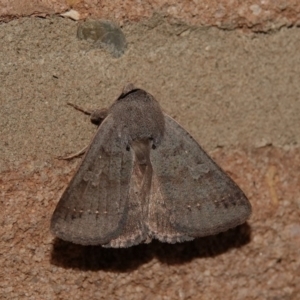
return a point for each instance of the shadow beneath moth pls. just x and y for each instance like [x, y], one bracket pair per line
[144, 177]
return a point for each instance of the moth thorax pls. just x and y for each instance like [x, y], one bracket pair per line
[139, 117]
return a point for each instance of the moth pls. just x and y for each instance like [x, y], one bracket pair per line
[144, 177]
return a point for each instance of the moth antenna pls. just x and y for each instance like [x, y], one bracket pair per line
[86, 112]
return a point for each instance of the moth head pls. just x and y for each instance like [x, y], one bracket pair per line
[98, 115]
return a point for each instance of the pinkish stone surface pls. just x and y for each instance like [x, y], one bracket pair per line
[256, 15]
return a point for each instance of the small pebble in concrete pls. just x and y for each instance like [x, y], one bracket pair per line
[104, 34]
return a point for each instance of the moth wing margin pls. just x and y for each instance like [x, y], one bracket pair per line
[200, 198]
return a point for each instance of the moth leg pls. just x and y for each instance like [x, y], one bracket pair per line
[79, 153]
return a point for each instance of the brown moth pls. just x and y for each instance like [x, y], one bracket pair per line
[143, 177]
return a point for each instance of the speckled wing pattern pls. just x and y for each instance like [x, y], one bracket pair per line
[190, 195]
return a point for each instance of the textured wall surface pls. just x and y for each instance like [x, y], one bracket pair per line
[236, 92]
[256, 15]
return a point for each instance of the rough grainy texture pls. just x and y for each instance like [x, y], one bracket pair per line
[256, 15]
[229, 89]
[226, 88]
